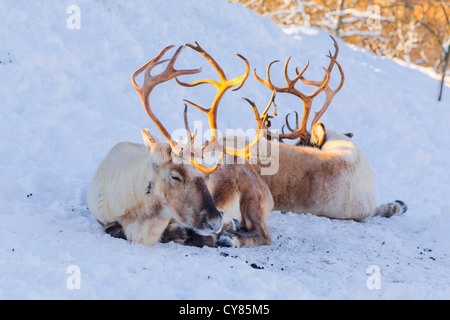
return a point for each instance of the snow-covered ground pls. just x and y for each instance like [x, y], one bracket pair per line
[66, 99]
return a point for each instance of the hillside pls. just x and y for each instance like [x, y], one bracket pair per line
[66, 99]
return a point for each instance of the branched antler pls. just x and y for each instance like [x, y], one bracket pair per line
[322, 86]
[221, 86]
[150, 82]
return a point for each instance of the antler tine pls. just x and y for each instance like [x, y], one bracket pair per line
[296, 122]
[197, 106]
[260, 119]
[264, 116]
[208, 57]
[263, 120]
[223, 79]
[287, 124]
[268, 83]
[151, 63]
[150, 82]
[239, 81]
[336, 52]
[329, 69]
[328, 92]
[289, 82]
[329, 95]
[186, 125]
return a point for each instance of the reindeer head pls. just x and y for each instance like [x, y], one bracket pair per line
[180, 189]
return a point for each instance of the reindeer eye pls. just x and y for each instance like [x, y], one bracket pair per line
[177, 175]
[176, 178]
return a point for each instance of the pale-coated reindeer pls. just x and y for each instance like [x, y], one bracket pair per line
[325, 173]
[160, 191]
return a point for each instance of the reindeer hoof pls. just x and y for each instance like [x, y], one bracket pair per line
[237, 225]
[390, 209]
[224, 242]
[227, 240]
[115, 230]
[232, 225]
[403, 207]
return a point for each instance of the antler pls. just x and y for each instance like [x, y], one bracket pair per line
[301, 132]
[328, 92]
[221, 86]
[150, 82]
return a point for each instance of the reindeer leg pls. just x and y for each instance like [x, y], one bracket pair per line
[196, 240]
[257, 236]
[114, 229]
[182, 235]
[390, 209]
[174, 232]
[254, 228]
[146, 230]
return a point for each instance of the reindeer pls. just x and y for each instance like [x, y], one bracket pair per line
[325, 173]
[160, 191]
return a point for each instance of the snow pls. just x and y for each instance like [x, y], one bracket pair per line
[66, 99]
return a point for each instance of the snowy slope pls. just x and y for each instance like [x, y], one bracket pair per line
[66, 99]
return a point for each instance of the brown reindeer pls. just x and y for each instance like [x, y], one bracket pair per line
[325, 173]
[163, 192]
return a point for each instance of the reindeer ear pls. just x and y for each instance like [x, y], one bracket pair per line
[318, 135]
[150, 141]
[161, 150]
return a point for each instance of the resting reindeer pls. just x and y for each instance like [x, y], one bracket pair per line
[325, 173]
[147, 193]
